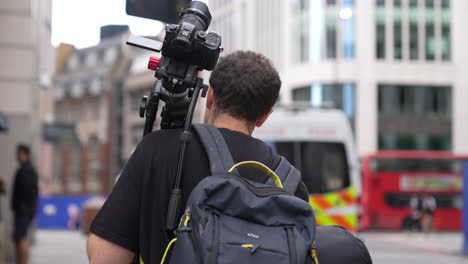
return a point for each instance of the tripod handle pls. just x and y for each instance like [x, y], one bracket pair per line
[151, 109]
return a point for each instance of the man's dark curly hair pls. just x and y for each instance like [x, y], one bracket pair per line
[245, 85]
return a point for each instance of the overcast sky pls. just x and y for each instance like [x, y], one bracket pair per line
[77, 22]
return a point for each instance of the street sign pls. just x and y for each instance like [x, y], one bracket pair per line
[55, 132]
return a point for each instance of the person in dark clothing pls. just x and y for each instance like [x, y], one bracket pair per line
[23, 202]
[132, 223]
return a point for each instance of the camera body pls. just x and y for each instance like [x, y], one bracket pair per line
[186, 50]
[188, 40]
[184, 42]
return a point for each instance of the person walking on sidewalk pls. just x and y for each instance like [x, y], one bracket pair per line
[23, 202]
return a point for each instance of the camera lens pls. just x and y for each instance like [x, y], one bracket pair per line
[198, 14]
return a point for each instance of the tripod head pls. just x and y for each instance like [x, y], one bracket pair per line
[187, 49]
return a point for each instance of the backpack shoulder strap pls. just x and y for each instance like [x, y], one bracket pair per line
[215, 146]
[289, 175]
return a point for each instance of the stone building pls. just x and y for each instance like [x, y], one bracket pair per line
[87, 111]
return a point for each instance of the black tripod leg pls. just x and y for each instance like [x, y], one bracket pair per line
[152, 108]
[175, 203]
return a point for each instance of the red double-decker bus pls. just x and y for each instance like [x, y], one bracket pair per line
[392, 178]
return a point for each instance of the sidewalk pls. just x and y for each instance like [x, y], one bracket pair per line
[59, 247]
[439, 243]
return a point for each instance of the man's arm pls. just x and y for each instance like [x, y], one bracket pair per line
[115, 229]
[103, 251]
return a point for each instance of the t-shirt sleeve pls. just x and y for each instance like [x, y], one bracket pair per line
[118, 220]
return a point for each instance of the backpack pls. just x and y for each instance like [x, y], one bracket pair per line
[230, 219]
[337, 245]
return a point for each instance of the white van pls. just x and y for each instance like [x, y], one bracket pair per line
[320, 143]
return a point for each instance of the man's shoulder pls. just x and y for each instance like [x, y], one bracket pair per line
[174, 134]
[27, 168]
[160, 138]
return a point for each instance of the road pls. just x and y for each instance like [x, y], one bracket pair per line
[385, 248]
[393, 248]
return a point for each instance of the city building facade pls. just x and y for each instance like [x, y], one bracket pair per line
[25, 69]
[397, 68]
[88, 117]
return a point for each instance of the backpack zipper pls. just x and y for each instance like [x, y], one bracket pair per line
[215, 245]
[313, 253]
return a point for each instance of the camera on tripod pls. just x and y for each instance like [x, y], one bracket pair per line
[187, 49]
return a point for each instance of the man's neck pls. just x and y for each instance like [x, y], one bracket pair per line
[231, 123]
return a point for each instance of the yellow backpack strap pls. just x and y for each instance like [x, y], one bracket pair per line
[262, 167]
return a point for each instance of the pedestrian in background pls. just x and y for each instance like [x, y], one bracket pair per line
[429, 206]
[416, 213]
[23, 202]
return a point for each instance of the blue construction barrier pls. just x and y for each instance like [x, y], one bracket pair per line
[60, 211]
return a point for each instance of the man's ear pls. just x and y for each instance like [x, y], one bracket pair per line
[209, 98]
[262, 120]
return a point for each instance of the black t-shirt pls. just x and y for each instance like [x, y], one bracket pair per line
[134, 215]
[25, 190]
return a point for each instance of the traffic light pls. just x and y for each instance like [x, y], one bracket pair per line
[162, 10]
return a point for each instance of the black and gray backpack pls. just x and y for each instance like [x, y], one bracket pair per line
[230, 219]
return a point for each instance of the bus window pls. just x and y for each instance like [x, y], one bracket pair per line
[409, 165]
[402, 200]
[323, 165]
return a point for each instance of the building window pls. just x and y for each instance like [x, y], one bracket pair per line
[446, 31]
[425, 101]
[331, 41]
[91, 59]
[301, 95]
[421, 17]
[397, 40]
[77, 90]
[322, 30]
[415, 141]
[346, 16]
[414, 117]
[110, 55]
[380, 29]
[73, 62]
[446, 4]
[430, 4]
[397, 31]
[339, 96]
[413, 34]
[380, 49]
[430, 30]
[430, 41]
